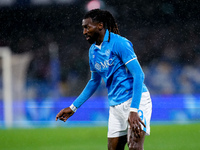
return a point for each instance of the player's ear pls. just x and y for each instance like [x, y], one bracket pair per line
[100, 25]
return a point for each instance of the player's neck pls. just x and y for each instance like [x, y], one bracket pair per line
[101, 37]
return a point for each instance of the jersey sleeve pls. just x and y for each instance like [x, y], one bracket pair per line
[89, 89]
[136, 70]
[124, 49]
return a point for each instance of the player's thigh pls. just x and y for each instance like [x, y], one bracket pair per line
[117, 143]
[135, 143]
[118, 120]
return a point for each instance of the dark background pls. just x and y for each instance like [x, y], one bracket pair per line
[164, 33]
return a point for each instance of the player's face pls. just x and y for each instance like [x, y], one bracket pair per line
[90, 30]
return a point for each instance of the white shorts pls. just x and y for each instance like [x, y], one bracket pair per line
[118, 116]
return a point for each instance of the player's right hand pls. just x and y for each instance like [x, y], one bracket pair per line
[64, 114]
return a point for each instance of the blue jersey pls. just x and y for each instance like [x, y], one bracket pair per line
[109, 61]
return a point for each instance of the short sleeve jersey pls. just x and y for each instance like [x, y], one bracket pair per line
[110, 61]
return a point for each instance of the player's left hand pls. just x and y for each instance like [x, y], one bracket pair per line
[135, 124]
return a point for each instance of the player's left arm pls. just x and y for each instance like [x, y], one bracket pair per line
[124, 49]
[138, 75]
[134, 119]
[126, 52]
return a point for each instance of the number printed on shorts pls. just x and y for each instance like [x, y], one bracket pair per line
[140, 113]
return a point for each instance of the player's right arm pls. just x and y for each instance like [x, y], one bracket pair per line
[88, 91]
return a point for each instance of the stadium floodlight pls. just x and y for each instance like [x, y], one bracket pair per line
[5, 54]
[93, 4]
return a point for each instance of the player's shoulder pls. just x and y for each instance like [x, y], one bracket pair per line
[91, 49]
[118, 38]
[121, 41]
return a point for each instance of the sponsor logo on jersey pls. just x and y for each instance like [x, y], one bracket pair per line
[104, 65]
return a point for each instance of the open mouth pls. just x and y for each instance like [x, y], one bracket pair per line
[87, 37]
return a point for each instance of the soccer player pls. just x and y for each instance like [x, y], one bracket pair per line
[112, 58]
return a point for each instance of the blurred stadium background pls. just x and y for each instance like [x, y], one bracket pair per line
[49, 59]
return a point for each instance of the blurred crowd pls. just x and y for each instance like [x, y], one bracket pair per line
[170, 57]
[168, 50]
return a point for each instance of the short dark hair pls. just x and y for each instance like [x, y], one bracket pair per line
[105, 17]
